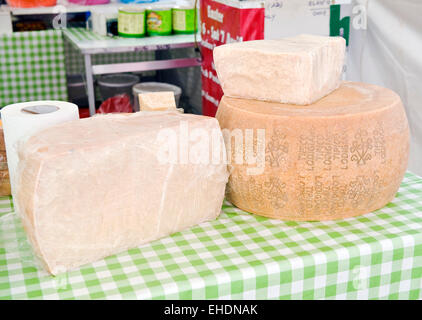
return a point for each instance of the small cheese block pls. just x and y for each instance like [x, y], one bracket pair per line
[5, 183]
[340, 157]
[4, 171]
[298, 70]
[3, 158]
[2, 144]
[94, 187]
[157, 101]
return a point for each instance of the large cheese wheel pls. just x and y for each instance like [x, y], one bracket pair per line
[342, 156]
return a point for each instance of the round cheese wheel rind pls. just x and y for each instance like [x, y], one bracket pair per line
[342, 156]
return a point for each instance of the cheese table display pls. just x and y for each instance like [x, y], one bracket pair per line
[297, 70]
[342, 156]
[84, 196]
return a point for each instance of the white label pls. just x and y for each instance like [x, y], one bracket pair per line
[179, 20]
[131, 23]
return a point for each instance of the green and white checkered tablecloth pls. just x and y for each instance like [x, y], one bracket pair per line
[239, 256]
[32, 67]
[75, 61]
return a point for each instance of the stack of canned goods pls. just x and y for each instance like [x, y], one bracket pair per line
[138, 21]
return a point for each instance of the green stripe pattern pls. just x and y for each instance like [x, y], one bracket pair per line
[32, 67]
[242, 256]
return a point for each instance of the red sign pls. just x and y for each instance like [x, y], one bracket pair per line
[223, 24]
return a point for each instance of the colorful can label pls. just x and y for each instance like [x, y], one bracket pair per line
[184, 20]
[159, 22]
[131, 23]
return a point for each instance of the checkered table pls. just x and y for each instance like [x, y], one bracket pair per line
[75, 60]
[241, 256]
[32, 67]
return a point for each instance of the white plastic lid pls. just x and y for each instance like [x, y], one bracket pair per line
[144, 87]
[132, 9]
[118, 80]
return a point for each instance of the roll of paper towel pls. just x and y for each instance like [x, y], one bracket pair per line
[21, 120]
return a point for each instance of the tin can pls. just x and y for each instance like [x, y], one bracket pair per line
[184, 19]
[131, 22]
[159, 21]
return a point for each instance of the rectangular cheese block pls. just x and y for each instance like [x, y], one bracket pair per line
[298, 70]
[4, 171]
[5, 183]
[343, 156]
[157, 101]
[94, 187]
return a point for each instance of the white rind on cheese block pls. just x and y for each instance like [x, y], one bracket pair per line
[340, 157]
[94, 187]
[157, 101]
[298, 70]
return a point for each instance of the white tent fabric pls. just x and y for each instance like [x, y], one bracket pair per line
[388, 53]
[385, 47]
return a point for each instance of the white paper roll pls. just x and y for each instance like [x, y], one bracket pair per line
[18, 125]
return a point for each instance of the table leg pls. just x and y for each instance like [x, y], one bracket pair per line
[90, 84]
